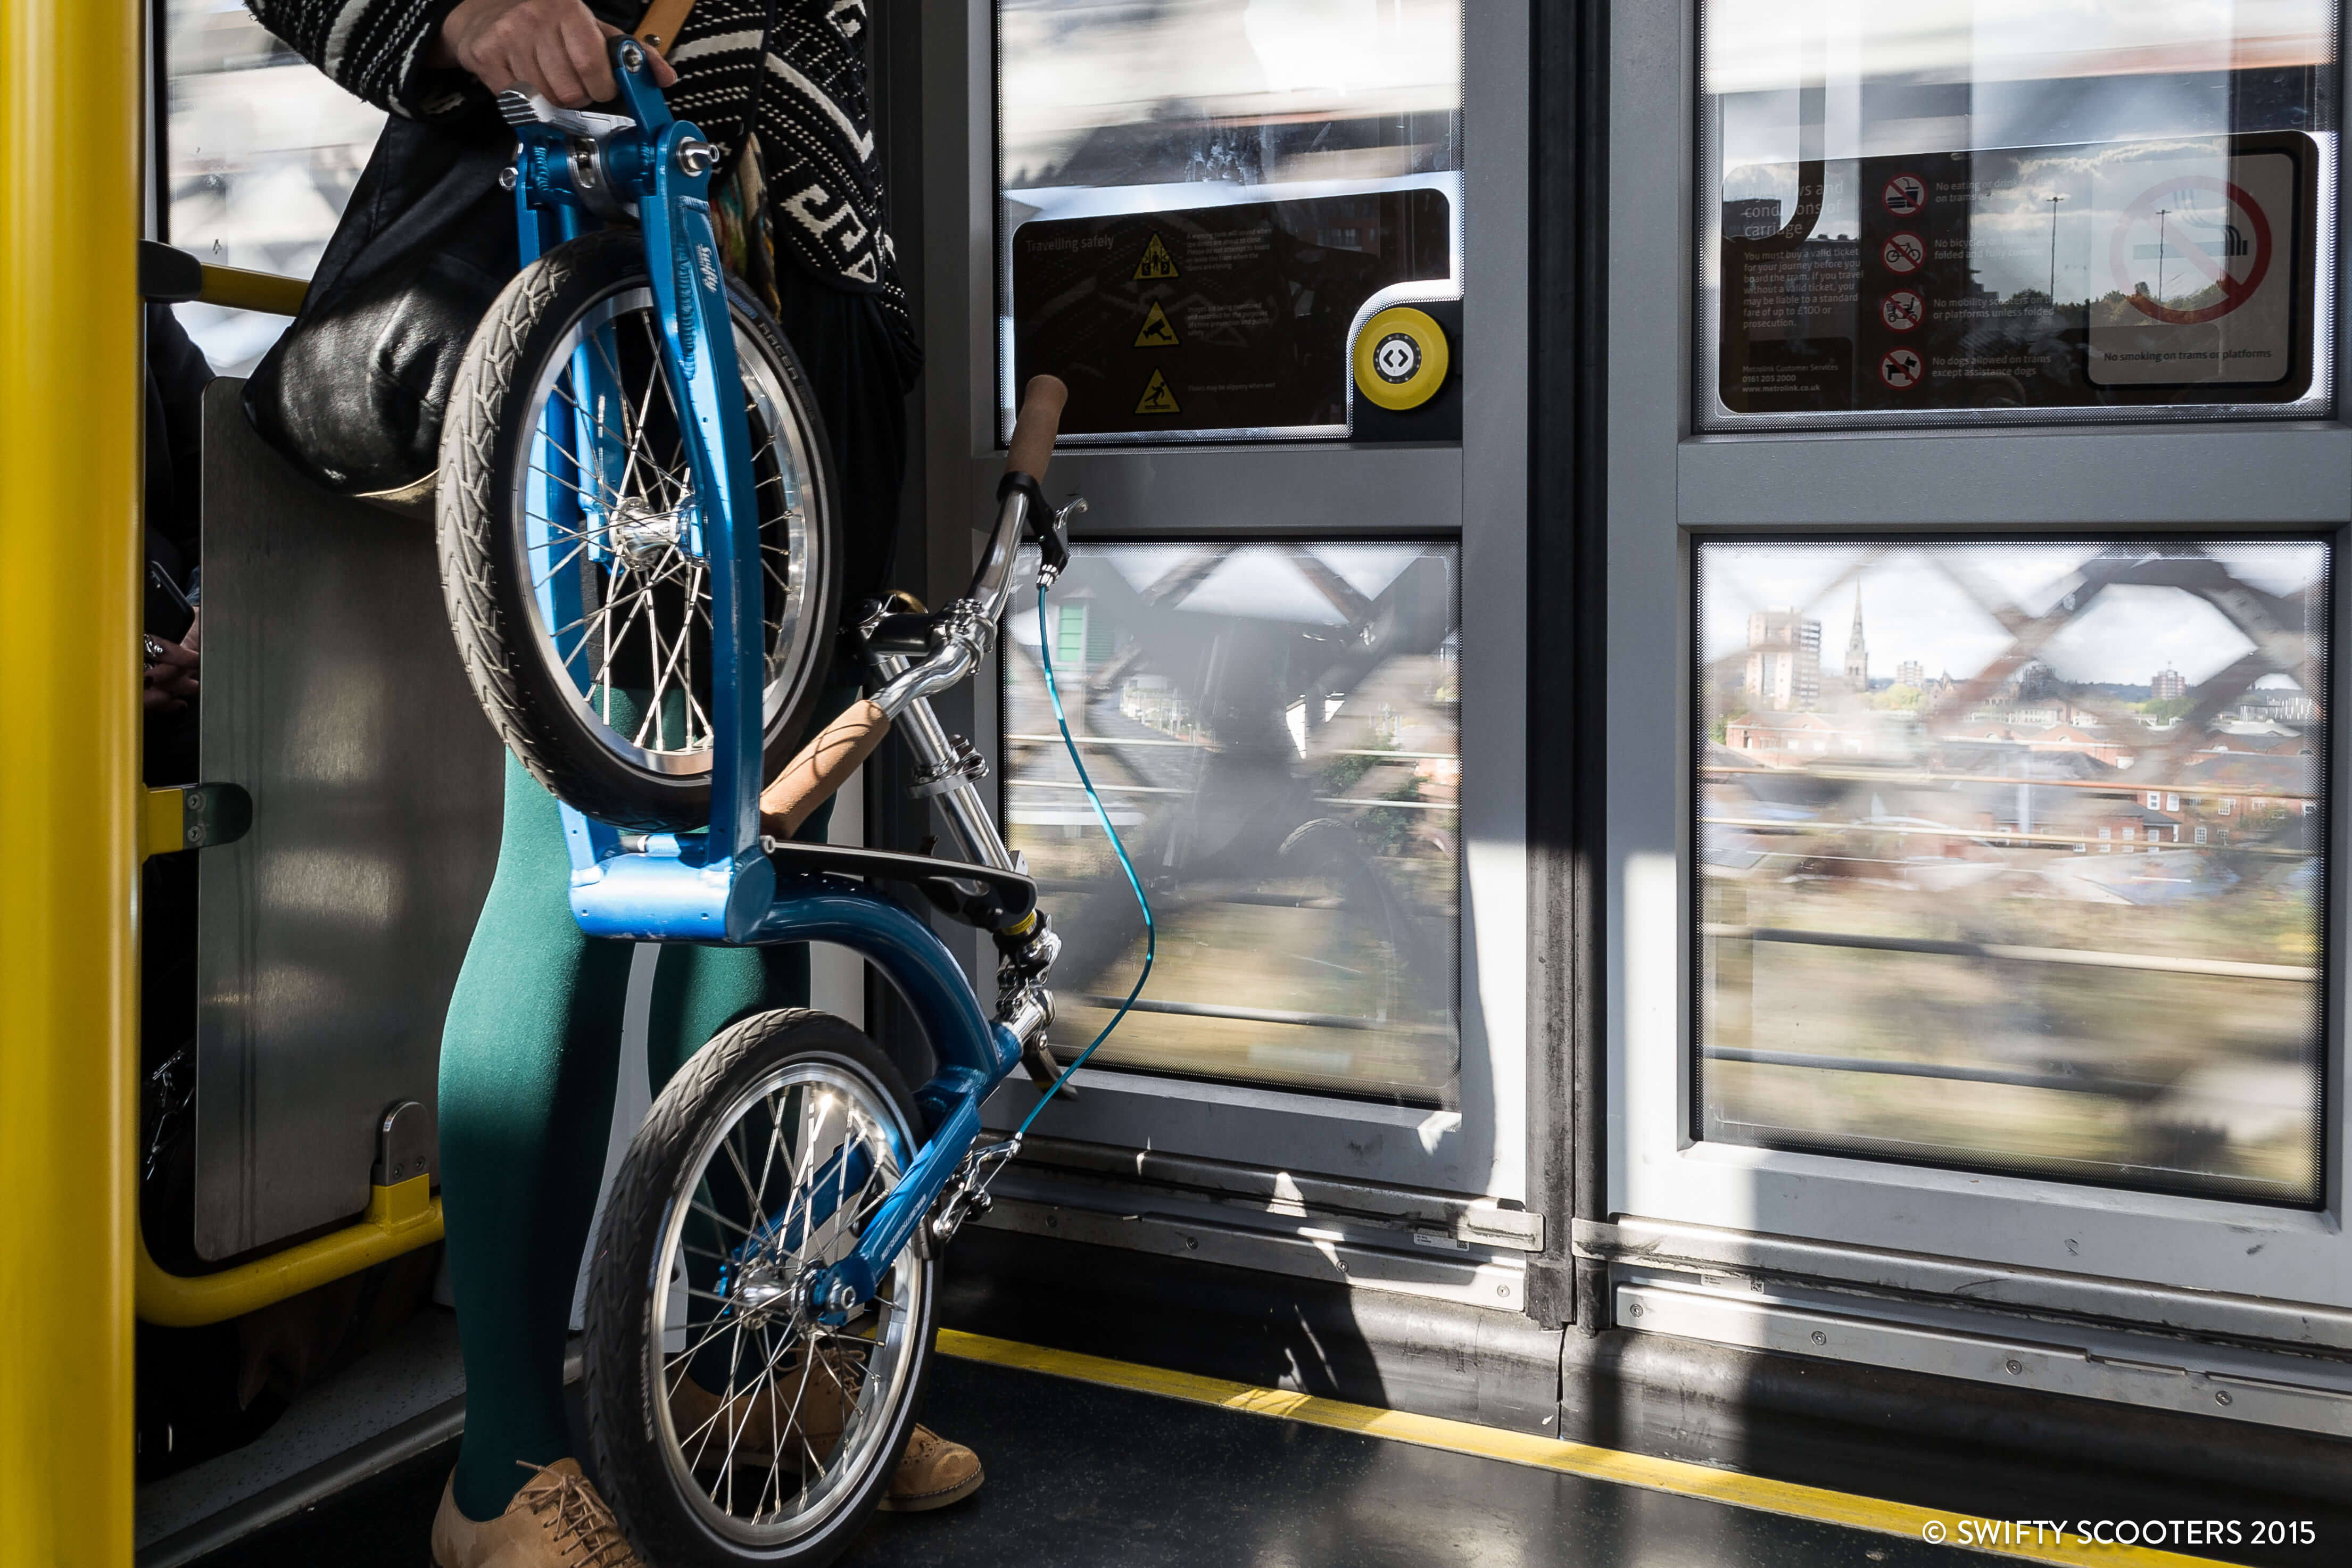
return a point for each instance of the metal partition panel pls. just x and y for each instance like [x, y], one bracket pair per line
[328, 938]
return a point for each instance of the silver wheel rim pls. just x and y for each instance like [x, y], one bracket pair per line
[648, 596]
[811, 1109]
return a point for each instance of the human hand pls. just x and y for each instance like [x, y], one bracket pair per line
[172, 675]
[552, 48]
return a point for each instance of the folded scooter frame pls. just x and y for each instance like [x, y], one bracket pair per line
[575, 171]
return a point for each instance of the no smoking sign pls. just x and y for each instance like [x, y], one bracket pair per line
[2200, 280]
[2205, 242]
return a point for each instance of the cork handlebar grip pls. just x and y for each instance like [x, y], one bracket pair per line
[1034, 427]
[822, 766]
[663, 19]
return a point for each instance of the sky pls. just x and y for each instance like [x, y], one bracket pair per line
[1914, 605]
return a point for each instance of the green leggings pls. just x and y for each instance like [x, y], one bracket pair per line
[530, 1059]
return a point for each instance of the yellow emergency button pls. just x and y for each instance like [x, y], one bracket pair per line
[1401, 357]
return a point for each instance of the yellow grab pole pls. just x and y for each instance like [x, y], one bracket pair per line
[69, 559]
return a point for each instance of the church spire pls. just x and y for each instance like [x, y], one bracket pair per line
[1857, 654]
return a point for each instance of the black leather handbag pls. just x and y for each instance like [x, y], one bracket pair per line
[353, 393]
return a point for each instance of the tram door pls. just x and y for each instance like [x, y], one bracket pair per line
[1266, 244]
[1973, 571]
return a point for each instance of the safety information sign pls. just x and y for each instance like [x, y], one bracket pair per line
[2174, 271]
[1214, 319]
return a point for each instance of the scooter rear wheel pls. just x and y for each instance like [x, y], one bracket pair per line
[730, 1422]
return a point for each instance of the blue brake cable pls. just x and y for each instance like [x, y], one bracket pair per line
[1150, 933]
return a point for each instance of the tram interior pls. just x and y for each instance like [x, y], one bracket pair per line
[1946, 1143]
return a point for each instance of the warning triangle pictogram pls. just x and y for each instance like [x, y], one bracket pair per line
[1158, 333]
[1157, 398]
[1156, 262]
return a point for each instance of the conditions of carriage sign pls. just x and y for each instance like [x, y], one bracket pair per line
[2175, 271]
[1214, 318]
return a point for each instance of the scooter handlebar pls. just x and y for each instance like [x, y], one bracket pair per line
[1036, 426]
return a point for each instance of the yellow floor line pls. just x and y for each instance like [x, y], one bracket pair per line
[1673, 1476]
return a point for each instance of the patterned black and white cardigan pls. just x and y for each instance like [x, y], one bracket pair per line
[793, 69]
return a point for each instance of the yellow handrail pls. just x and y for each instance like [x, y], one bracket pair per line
[69, 409]
[241, 290]
[400, 1219]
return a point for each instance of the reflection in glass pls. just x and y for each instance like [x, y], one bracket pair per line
[2012, 856]
[2013, 207]
[264, 152]
[1274, 728]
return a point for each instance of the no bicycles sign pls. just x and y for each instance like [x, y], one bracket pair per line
[2199, 279]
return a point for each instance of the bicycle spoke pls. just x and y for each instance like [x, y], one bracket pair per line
[711, 1331]
[759, 1217]
[630, 431]
[648, 610]
[710, 1213]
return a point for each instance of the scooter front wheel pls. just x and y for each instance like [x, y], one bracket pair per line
[573, 552]
[730, 1422]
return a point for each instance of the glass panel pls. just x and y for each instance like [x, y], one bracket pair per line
[1274, 728]
[2031, 878]
[1970, 210]
[1198, 199]
[263, 153]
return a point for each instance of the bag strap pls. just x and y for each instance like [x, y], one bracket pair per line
[662, 20]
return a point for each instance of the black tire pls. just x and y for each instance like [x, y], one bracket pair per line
[487, 444]
[636, 1453]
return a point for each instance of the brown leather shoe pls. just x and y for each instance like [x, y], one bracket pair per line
[932, 1473]
[557, 1521]
[814, 1400]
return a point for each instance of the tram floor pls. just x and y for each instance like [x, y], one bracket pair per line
[1090, 1475]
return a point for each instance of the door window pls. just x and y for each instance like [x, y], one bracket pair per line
[261, 152]
[1199, 202]
[1273, 730]
[2014, 210]
[2009, 856]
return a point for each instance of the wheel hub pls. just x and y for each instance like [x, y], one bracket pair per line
[642, 538]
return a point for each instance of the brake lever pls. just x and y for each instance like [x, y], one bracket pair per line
[1047, 525]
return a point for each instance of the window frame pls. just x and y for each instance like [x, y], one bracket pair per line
[1474, 493]
[1669, 485]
